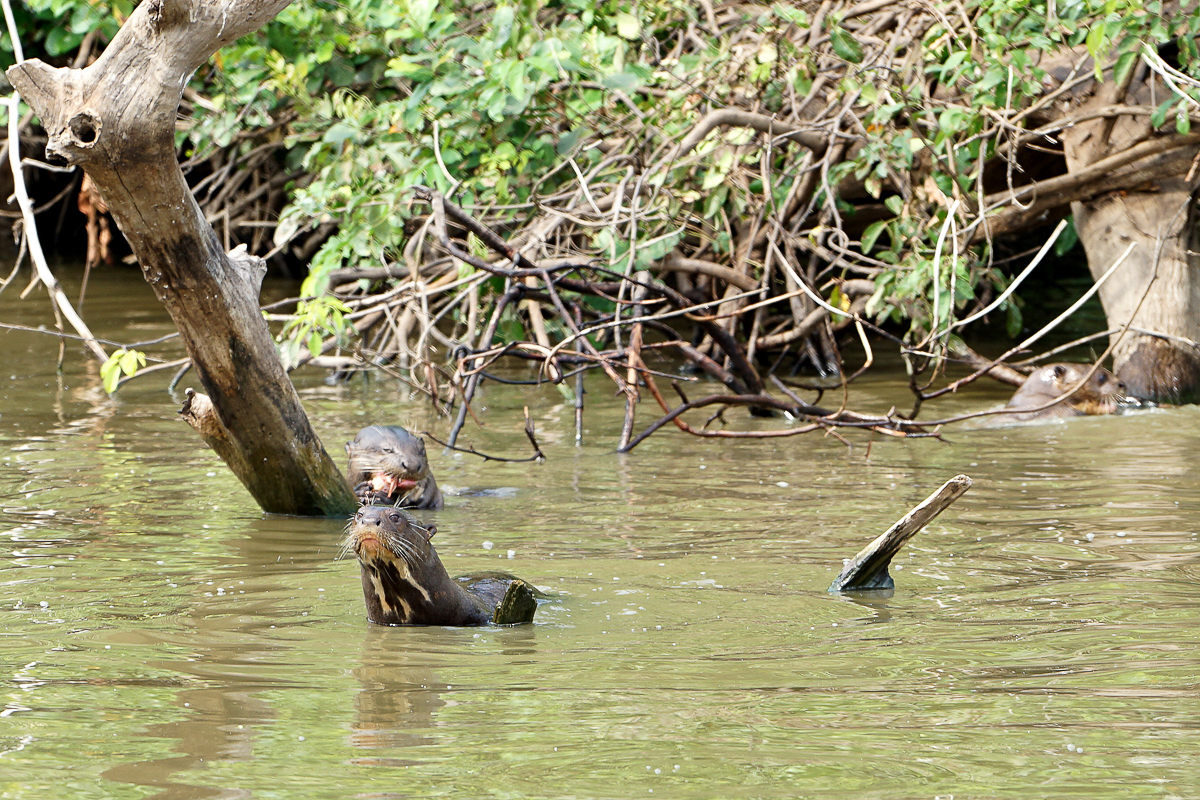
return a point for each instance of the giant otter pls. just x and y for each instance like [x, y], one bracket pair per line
[388, 466]
[404, 582]
[1101, 394]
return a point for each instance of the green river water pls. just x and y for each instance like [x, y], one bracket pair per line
[161, 637]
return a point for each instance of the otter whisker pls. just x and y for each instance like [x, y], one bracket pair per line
[348, 540]
[406, 550]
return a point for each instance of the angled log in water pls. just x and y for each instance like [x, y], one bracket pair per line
[116, 119]
[869, 569]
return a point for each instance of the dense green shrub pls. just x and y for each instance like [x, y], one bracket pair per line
[504, 107]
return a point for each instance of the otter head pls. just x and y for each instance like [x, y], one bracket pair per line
[387, 534]
[389, 459]
[1101, 394]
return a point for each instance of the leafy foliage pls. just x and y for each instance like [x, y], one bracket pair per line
[121, 362]
[521, 107]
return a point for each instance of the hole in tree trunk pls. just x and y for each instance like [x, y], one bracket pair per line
[86, 128]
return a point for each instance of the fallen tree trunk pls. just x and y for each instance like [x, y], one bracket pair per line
[116, 119]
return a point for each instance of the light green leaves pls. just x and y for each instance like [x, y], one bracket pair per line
[628, 26]
[314, 319]
[122, 362]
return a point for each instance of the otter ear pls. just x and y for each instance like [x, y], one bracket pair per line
[1059, 371]
[349, 448]
[430, 531]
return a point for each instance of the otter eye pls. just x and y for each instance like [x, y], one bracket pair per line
[395, 517]
[388, 449]
[1101, 378]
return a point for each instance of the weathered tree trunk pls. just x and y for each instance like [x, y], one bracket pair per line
[116, 118]
[1158, 216]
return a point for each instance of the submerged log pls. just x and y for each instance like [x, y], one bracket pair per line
[116, 119]
[869, 569]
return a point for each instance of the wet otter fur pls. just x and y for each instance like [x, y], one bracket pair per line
[405, 583]
[388, 466]
[1101, 394]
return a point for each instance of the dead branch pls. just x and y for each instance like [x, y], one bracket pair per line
[869, 568]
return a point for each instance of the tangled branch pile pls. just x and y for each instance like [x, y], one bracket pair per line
[741, 184]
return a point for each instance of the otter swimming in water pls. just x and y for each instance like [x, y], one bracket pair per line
[388, 466]
[405, 583]
[1101, 394]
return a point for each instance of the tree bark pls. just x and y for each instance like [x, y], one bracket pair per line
[1157, 214]
[116, 119]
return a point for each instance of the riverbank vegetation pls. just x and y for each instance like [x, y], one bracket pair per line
[742, 186]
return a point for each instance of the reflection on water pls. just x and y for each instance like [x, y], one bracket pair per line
[164, 639]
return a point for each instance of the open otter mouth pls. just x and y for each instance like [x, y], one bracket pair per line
[390, 484]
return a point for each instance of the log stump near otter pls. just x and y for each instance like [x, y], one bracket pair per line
[405, 583]
[388, 466]
[1101, 393]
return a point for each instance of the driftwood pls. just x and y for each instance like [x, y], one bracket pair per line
[116, 119]
[869, 569]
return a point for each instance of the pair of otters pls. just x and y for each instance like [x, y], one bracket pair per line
[404, 581]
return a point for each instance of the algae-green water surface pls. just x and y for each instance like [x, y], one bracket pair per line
[161, 637]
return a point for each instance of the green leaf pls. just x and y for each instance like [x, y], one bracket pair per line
[1183, 123]
[839, 300]
[110, 372]
[625, 81]
[873, 184]
[1014, 323]
[712, 179]
[502, 24]
[867, 243]
[944, 182]
[628, 26]
[953, 62]
[845, 45]
[421, 13]
[657, 248]
[1160, 114]
[61, 40]
[314, 344]
[131, 360]
[1124, 64]
[1067, 239]
[1097, 41]
[339, 133]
